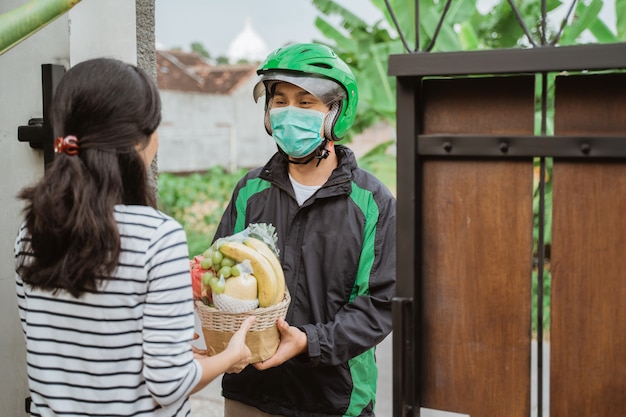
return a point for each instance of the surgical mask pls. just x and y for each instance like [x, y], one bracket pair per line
[297, 131]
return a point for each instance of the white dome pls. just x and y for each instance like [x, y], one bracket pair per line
[247, 45]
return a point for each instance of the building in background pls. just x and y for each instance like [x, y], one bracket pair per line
[248, 45]
[209, 115]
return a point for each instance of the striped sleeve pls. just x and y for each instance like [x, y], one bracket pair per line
[170, 369]
[21, 246]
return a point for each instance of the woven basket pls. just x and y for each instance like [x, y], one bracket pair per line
[263, 339]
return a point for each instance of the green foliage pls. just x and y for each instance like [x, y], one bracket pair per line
[197, 201]
[547, 287]
[222, 60]
[499, 28]
[547, 237]
[199, 48]
[587, 19]
[366, 49]
[381, 163]
[620, 19]
[430, 15]
[23, 21]
[199, 241]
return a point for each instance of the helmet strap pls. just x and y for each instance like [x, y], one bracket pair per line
[331, 119]
[320, 153]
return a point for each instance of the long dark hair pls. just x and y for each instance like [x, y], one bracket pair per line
[112, 108]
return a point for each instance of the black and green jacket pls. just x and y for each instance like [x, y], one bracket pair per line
[338, 253]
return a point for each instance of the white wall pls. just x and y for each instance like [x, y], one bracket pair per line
[92, 28]
[103, 28]
[255, 145]
[199, 131]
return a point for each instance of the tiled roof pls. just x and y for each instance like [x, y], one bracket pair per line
[188, 59]
[188, 71]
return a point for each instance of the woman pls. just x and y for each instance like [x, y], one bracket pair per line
[103, 280]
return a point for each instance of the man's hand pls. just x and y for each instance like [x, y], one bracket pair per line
[293, 342]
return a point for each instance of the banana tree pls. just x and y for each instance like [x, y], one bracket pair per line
[463, 27]
[21, 22]
[587, 18]
[367, 47]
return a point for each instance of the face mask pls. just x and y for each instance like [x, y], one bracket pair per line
[297, 131]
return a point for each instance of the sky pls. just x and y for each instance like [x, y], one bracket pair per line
[215, 23]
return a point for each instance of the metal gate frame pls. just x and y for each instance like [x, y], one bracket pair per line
[413, 147]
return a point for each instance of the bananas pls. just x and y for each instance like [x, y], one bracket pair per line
[265, 250]
[262, 269]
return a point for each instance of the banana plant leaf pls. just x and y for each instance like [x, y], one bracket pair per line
[404, 11]
[21, 22]
[586, 16]
[620, 19]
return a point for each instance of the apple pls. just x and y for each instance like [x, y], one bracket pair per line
[242, 287]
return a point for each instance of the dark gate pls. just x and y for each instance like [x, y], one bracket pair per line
[467, 150]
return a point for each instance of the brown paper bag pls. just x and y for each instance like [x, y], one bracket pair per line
[262, 343]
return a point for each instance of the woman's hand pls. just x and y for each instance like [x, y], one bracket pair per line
[197, 352]
[233, 359]
[237, 345]
[293, 342]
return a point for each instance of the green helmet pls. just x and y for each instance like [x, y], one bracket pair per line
[317, 69]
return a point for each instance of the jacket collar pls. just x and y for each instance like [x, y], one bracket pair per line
[276, 170]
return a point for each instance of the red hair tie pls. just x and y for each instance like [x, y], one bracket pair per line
[67, 145]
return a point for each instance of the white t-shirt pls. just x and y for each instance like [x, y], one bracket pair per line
[303, 192]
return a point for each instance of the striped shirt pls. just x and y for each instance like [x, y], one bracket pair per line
[125, 350]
